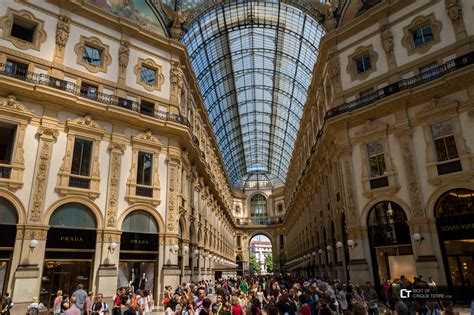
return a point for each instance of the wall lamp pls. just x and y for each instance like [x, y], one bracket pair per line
[320, 251]
[174, 249]
[352, 244]
[329, 248]
[196, 252]
[186, 249]
[313, 253]
[339, 245]
[112, 247]
[33, 245]
[418, 237]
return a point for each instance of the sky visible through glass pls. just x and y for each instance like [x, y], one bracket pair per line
[253, 61]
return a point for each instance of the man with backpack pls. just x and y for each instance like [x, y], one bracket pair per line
[7, 304]
[99, 307]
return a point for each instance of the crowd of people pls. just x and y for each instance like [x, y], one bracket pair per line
[287, 296]
[270, 295]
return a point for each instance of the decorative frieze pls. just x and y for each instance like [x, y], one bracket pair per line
[47, 136]
[116, 151]
[411, 175]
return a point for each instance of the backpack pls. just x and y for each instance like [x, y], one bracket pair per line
[133, 302]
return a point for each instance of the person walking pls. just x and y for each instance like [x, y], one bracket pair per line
[57, 302]
[80, 296]
[73, 309]
[99, 307]
[7, 304]
[372, 300]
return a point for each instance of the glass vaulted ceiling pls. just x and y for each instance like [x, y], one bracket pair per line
[253, 61]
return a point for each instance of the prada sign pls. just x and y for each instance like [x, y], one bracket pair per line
[71, 238]
[139, 242]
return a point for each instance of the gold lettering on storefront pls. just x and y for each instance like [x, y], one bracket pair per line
[71, 238]
[139, 242]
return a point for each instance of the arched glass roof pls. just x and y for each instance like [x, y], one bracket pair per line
[253, 61]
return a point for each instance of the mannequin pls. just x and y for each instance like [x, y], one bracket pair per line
[143, 281]
[132, 280]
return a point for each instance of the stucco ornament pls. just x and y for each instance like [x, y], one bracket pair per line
[124, 55]
[387, 38]
[62, 31]
[327, 9]
[10, 102]
[177, 76]
[177, 18]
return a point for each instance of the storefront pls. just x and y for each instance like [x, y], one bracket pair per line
[139, 246]
[8, 221]
[390, 243]
[454, 213]
[70, 251]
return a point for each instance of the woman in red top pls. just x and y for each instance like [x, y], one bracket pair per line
[236, 309]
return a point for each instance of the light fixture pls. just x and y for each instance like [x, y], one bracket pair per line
[314, 253]
[174, 249]
[320, 251]
[112, 247]
[196, 252]
[186, 249]
[329, 248]
[351, 244]
[418, 237]
[339, 244]
[33, 244]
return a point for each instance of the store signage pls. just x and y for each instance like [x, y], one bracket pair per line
[8, 235]
[456, 227]
[71, 238]
[139, 242]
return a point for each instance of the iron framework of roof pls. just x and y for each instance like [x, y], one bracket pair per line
[253, 61]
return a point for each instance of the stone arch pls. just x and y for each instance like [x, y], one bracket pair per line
[144, 207]
[192, 234]
[200, 241]
[17, 204]
[255, 233]
[184, 231]
[75, 199]
[366, 210]
[434, 197]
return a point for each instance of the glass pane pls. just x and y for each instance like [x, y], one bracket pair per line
[455, 202]
[148, 75]
[360, 65]
[417, 38]
[8, 214]
[73, 215]
[92, 55]
[367, 62]
[141, 275]
[7, 141]
[144, 168]
[427, 33]
[139, 222]
[81, 158]
[452, 151]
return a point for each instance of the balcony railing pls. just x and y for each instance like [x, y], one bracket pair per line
[405, 84]
[260, 221]
[70, 87]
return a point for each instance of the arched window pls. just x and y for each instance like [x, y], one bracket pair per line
[387, 225]
[258, 206]
[455, 202]
[73, 215]
[8, 214]
[139, 221]
[386, 212]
